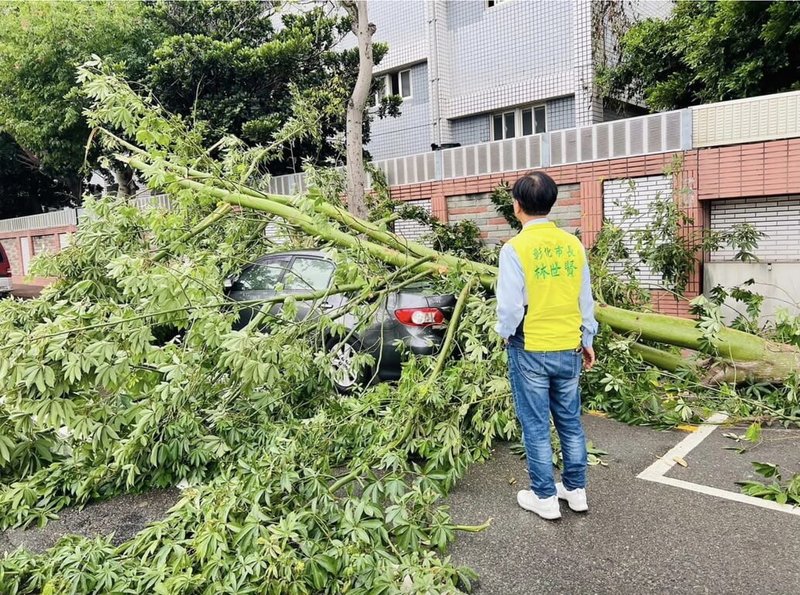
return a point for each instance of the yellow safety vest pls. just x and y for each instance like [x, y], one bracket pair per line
[552, 261]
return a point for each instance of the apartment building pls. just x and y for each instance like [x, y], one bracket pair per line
[474, 71]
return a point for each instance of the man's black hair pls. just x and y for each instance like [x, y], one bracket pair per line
[536, 193]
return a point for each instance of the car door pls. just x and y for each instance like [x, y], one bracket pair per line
[309, 274]
[258, 281]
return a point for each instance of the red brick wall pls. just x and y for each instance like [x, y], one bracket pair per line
[39, 241]
[585, 188]
[769, 168]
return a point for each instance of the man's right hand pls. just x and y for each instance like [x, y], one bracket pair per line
[588, 358]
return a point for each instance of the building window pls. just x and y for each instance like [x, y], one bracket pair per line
[394, 83]
[492, 3]
[522, 121]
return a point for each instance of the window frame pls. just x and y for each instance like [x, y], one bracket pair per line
[388, 90]
[272, 261]
[518, 126]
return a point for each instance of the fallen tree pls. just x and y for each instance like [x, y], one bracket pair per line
[728, 355]
[743, 356]
[127, 375]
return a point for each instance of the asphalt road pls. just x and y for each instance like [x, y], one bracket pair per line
[25, 292]
[638, 536]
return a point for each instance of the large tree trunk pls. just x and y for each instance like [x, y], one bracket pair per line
[356, 174]
[742, 356]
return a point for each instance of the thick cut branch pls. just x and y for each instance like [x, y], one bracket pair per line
[752, 357]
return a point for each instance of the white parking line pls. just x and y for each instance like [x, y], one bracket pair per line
[658, 470]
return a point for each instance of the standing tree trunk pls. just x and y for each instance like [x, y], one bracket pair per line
[123, 177]
[356, 174]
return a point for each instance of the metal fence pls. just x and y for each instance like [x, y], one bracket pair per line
[62, 218]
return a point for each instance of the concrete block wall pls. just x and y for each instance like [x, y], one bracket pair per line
[411, 229]
[639, 194]
[45, 243]
[11, 248]
[479, 209]
[777, 217]
[33, 242]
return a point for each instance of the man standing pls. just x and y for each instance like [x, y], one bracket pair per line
[545, 314]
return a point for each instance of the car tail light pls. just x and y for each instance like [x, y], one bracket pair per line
[419, 316]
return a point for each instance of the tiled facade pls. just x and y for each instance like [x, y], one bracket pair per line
[561, 113]
[477, 60]
[471, 130]
[409, 133]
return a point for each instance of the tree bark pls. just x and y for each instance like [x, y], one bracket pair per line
[123, 177]
[356, 174]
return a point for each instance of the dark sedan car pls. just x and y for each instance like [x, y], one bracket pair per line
[414, 316]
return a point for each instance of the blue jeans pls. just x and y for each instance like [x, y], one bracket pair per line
[545, 382]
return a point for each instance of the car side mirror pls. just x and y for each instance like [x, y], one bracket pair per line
[228, 283]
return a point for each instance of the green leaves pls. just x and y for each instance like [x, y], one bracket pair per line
[782, 492]
[707, 52]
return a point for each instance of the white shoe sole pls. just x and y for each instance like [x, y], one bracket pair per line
[548, 516]
[579, 509]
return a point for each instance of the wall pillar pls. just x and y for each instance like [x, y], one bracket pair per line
[591, 210]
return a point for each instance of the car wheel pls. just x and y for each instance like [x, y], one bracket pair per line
[345, 375]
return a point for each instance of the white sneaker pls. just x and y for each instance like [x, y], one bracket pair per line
[575, 498]
[547, 508]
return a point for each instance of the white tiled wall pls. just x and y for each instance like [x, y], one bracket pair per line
[471, 130]
[402, 24]
[513, 53]
[777, 217]
[409, 133]
[482, 59]
[561, 113]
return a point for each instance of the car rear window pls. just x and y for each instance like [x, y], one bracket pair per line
[309, 274]
[262, 276]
